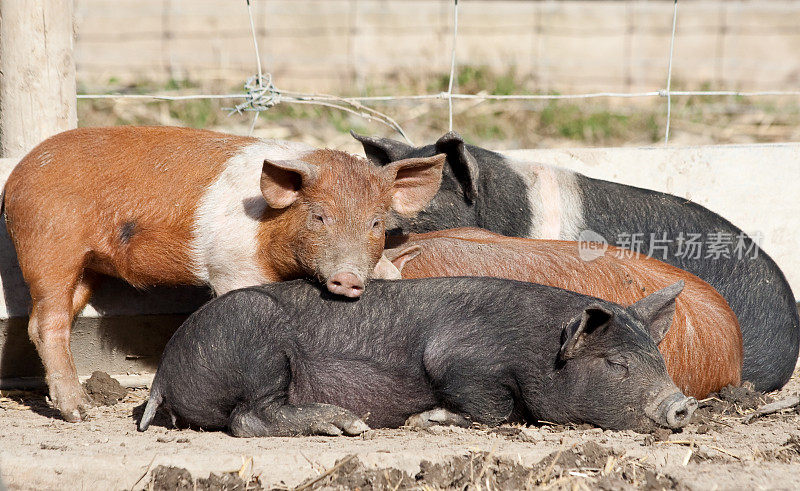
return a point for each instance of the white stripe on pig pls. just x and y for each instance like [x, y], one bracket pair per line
[224, 246]
[555, 200]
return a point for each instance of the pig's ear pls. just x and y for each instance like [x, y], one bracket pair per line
[416, 182]
[657, 310]
[399, 257]
[464, 165]
[281, 180]
[573, 337]
[385, 270]
[382, 150]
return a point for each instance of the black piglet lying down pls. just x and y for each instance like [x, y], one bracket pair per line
[290, 359]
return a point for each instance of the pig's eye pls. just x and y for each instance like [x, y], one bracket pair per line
[319, 218]
[376, 223]
[618, 366]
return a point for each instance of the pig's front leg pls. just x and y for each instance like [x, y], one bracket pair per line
[437, 417]
[473, 388]
[288, 420]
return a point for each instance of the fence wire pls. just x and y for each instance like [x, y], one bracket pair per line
[669, 68]
[261, 94]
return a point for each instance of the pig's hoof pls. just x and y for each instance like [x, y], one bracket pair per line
[336, 421]
[356, 427]
[75, 413]
[73, 407]
[437, 417]
[310, 419]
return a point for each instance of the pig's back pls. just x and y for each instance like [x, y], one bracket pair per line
[124, 164]
[138, 199]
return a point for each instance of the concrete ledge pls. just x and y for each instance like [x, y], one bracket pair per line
[126, 345]
[143, 380]
[124, 330]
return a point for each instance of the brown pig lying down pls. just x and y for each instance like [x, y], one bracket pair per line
[702, 349]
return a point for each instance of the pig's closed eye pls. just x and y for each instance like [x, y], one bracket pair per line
[376, 223]
[318, 217]
[618, 366]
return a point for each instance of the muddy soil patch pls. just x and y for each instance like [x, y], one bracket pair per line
[169, 478]
[787, 453]
[589, 464]
[719, 409]
[104, 389]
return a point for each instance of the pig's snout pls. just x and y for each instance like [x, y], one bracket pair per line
[346, 283]
[680, 411]
[676, 410]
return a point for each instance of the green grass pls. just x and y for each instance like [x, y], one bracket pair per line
[473, 79]
[500, 124]
[199, 113]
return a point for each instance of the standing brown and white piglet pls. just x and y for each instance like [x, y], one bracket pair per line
[162, 205]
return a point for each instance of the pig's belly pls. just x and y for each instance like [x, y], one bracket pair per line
[386, 395]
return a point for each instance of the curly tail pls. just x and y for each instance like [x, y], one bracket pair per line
[155, 400]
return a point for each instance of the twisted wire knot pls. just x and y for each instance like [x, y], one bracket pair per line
[260, 94]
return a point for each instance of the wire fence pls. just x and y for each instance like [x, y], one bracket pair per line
[261, 93]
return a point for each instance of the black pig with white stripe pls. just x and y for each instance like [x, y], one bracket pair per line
[481, 188]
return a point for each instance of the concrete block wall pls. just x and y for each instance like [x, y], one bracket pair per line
[327, 45]
[123, 330]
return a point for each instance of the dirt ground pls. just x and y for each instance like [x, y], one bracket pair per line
[717, 450]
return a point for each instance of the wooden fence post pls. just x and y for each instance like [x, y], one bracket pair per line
[37, 73]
